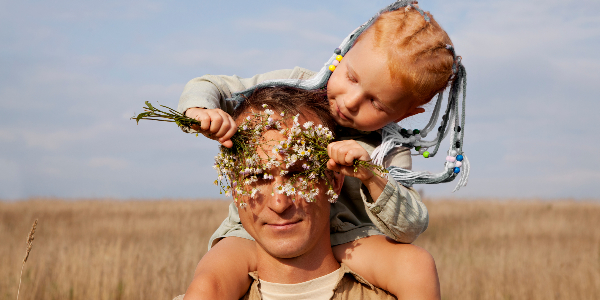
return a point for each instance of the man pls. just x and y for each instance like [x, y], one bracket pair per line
[294, 258]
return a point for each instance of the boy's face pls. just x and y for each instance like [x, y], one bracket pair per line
[362, 93]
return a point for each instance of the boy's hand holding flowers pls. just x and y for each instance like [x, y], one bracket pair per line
[215, 124]
[350, 159]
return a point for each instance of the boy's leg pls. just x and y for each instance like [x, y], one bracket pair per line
[405, 270]
[223, 271]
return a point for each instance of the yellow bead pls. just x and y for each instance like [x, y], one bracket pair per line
[339, 58]
[331, 68]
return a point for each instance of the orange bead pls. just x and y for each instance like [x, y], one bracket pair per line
[339, 58]
[331, 68]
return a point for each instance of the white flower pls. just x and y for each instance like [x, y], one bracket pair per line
[264, 106]
[308, 124]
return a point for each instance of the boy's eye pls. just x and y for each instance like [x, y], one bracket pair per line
[350, 77]
[376, 105]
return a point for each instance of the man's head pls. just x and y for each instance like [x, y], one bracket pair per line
[283, 224]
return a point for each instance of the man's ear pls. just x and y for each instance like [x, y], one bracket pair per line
[337, 180]
[413, 111]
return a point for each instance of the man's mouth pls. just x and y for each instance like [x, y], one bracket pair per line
[283, 225]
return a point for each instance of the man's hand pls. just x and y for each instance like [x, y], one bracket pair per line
[341, 159]
[215, 124]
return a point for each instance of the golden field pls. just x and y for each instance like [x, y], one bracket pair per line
[105, 249]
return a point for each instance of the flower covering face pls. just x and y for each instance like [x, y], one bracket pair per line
[299, 158]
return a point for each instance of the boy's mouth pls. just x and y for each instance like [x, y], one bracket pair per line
[340, 114]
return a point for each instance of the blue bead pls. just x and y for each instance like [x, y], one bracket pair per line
[459, 158]
[456, 169]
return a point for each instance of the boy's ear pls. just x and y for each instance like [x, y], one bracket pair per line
[413, 111]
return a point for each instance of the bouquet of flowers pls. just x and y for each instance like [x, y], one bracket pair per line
[301, 157]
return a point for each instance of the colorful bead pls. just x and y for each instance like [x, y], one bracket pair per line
[331, 68]
[337, 51]
[450, 158]
[339, 58]
[458, 164]
[418, 148]
[403, 131]
[336, 63]
[456, 170]
[426, 154]
[416, 131]
[459, 157]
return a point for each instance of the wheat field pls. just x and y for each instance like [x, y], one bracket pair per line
[104, 249]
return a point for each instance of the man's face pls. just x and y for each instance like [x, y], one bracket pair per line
[286, 226]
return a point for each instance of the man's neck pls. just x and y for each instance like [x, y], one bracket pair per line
[303, 268]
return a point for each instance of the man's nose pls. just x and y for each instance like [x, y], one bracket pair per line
[279, 203]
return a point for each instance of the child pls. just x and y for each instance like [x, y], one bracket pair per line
[391, 66]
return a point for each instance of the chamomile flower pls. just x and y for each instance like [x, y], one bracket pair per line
[242, 165]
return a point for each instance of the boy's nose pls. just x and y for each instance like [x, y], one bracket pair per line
[353, 100]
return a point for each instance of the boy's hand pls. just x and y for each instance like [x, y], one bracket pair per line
[341, 159]
[214, 124]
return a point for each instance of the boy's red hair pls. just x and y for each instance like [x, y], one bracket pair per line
[416, 50]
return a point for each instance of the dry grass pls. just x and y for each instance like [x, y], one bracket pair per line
[149, 250]
[105, 249]
[515, 250]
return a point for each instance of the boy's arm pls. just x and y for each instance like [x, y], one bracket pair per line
[398, 211]
[210, 91]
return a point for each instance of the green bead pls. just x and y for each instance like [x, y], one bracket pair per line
[418, 148]
[416, 131]
[403, 131]
[426, 154]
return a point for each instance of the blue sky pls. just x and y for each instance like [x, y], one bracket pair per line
[74, 72]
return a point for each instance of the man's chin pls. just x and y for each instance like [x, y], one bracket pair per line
[285, 248]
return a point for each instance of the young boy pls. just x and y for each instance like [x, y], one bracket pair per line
[395, 66]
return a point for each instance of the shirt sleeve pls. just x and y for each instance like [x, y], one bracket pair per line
[399, 211]
[211, 91]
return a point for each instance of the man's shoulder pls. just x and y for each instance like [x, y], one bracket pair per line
[353, 286]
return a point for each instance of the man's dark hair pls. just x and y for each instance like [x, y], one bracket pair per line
[291, 100]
